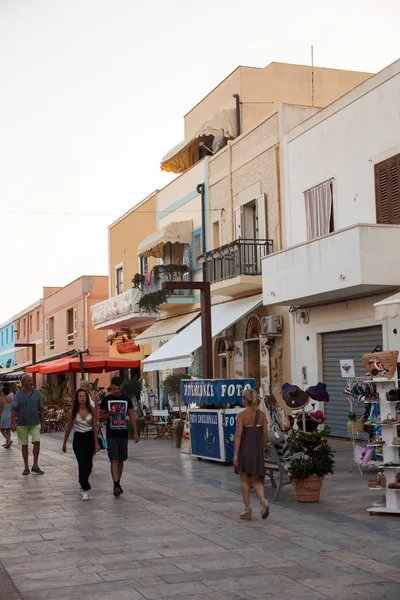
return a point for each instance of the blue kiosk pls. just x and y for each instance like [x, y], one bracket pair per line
[213, 405]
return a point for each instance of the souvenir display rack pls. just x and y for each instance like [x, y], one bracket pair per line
[390, 451]
[355, 436]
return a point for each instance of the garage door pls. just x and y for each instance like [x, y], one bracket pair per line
[353, 344]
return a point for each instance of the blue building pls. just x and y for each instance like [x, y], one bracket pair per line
[7, 350]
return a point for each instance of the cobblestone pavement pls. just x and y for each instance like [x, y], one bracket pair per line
[175, 533]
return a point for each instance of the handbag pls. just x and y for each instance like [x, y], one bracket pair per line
[101, 439]
[381, 364]
[356, 426]
[275, 434]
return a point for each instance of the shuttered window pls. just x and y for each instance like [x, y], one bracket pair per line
[387, 191]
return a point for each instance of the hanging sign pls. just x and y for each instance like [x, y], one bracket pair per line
[127, 347]
[215, 391]
[347, 368]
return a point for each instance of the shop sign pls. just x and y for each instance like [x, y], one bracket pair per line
[214, 391]
[205, 438]
[127, 347]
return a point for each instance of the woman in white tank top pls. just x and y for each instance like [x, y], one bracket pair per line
[83, 418]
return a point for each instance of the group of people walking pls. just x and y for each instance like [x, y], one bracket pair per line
[26, 417]
[25, 414]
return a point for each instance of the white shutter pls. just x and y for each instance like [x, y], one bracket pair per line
[47, 330]
[261, 218]
[75, 320]
[238, 222]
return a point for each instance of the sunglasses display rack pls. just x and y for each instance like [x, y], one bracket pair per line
[355, 436]
[391, 455]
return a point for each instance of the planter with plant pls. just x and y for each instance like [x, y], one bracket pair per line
[138, 281]
[150, 302]
[315, 461]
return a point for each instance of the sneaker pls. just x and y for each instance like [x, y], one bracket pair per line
[37, 470]
[380, 502]
[85, 495]
[117, 491]
[26, 471]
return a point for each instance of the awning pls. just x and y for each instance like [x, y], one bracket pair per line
[390, 307]
[177, 232]
[178, 352]
[91, 364]
[165, 329]
[177, 160]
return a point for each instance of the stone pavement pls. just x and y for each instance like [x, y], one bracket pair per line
[175, 533]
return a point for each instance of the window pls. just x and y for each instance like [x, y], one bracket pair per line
[2, 338]
[251, 220]
[253, 329]
[215, 234]
[119, 279]
[30, 324]
[46, 326]
[37, 321]
[144, 264]
[25, 327]
[7, 335]
[167, 254]
[75, 320]
[387, 191]
[18, 328]
[51, 333]
[319, 210]
[12, 333]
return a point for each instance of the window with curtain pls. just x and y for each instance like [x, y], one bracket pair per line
[319, 210]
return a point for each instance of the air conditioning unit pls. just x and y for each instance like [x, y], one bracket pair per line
[272, 325]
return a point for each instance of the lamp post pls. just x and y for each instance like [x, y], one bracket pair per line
[205, 316]
[33, 346]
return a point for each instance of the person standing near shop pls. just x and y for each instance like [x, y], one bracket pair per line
[28, 408]
[250, 441]
[5, 415]
[115, 409]
[82, 417]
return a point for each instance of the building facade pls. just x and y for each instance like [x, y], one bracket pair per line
[342, 219]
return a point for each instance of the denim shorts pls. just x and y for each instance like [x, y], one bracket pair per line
[117, 448]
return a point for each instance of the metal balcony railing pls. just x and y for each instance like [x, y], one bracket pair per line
[161, 273]
[241, 257]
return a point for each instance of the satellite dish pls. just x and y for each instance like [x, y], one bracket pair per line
[219, 142]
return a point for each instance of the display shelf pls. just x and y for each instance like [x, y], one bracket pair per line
[384, 510]
[376, 445]
[378, 489]
[394, 445]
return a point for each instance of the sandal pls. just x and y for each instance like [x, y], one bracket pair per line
[247, 514]
[378, 482]
[395, 485]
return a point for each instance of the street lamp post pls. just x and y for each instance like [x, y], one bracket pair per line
[205, 316]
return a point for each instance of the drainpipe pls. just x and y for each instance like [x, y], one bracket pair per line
[202, 191]
[86, 331]
[279, 199]
[237, 100]
[230, 190]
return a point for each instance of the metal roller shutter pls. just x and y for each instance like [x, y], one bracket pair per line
[352, 343]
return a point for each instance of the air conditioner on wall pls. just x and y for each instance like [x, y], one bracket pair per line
[272, 325]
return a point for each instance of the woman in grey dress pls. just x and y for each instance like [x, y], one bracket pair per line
[5, 415]
[250, 441]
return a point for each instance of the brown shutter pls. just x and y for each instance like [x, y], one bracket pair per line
[387, 191]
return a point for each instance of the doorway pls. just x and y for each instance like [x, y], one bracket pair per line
[252, 358]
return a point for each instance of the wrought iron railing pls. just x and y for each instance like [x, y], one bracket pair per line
[161, 273]
[241, 257]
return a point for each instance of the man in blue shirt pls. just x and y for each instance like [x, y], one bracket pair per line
[28, 407]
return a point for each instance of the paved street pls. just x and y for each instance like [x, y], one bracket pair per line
[175, 533]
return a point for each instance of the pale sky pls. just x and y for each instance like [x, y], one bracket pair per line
[93, 93]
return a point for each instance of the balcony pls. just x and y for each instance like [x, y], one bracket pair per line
[121, 310]
[153, 296]
[353, 262]
[235, 269]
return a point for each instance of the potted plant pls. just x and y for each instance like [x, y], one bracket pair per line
[315, 461]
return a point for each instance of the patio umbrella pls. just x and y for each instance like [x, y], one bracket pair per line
[90, 364]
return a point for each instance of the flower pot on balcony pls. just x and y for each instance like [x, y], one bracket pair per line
[308, 490]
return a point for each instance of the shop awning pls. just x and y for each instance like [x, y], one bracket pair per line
[177, 232]
[177, 353]
[91, 364]
[390, 307]
[177, 160]
[165, 329]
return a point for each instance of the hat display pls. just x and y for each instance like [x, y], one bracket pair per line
[317, 416]
[294, 397]
[318, 392]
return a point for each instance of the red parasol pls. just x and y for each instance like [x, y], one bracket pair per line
[90, 364]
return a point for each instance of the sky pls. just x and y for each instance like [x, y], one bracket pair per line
[93, 93]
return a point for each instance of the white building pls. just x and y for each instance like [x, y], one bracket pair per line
[341, 202]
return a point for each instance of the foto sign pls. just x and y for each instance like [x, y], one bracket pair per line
[215, 391]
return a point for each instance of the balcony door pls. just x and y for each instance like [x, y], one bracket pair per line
[387, 191]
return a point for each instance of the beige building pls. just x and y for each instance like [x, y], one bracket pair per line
[28, 329]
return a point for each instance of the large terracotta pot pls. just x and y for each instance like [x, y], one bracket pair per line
[308, 490]
[177, 435]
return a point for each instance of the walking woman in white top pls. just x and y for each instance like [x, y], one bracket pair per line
[5, 415]
[83, 418]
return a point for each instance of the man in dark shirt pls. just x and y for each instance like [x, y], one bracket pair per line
[28, 407]
[115, 409]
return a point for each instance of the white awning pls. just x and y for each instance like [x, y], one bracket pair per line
[165, 329]
[178, 352]
[177, 159]
[390, 307]
[177, 232]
